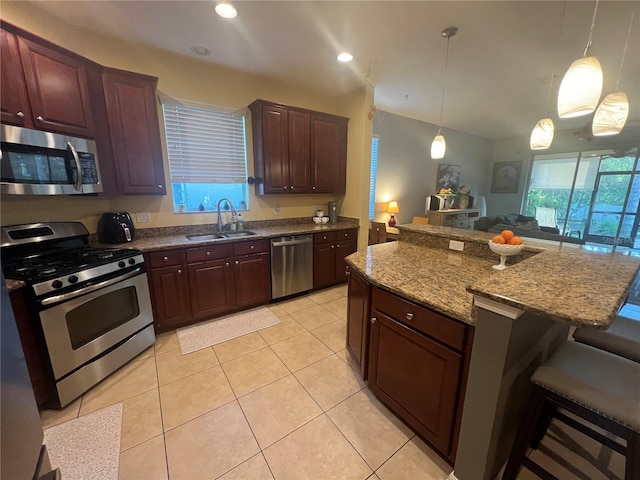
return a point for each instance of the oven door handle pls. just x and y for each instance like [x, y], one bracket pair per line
[91, 288]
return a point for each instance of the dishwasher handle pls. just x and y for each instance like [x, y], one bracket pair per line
[286, 243]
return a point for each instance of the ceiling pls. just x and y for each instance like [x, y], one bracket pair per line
[500, 62]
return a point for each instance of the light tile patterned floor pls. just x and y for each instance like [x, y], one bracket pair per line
[283, 403]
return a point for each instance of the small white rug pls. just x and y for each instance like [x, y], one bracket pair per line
[212, 332]
[87, 447]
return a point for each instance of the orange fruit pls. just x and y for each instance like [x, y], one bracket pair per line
[515, 241]
[507, 234]
[499, 239]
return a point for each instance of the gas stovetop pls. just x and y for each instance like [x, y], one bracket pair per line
[57, 256]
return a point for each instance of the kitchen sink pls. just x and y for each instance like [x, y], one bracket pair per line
[220, 236]
[205, 238]
[242, 233]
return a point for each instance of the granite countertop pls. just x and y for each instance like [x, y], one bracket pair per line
[176, 237]
[565, 282]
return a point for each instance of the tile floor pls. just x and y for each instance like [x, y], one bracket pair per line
[280, 403]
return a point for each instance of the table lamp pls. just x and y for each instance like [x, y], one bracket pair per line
[392, 208]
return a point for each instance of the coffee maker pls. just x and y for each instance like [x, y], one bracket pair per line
[333, 213]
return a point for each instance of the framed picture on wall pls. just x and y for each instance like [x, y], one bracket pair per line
[506, 177]
[448, 176]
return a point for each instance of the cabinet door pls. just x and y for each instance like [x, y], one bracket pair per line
[212, 287]
[275, 149]
[14, 104]
[135, 132]
[252, 279]
[358, 320]
[328, 154]
[299, 138]
[324, 265]
[416, 377]
[58, 90]
[170, 293]
[344, 248]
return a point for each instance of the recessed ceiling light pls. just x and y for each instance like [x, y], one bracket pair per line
[226, 10]
[200, 50]
[345, 57]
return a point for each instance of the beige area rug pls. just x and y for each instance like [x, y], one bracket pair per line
[212, 332]
[87, 447]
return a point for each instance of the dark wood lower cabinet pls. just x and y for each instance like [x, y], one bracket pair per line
[358, 308]
[252, 279]
[414, 359]
[329, 252]
[211, 288]
[170, 293]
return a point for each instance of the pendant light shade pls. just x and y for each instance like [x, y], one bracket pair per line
[542, 134]
[438, 147]
[581, 88]
[611, 115]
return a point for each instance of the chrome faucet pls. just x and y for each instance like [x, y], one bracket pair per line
[233, 212]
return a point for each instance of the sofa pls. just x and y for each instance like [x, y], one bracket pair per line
[522, 226]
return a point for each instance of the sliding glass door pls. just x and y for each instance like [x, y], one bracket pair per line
[595, 195]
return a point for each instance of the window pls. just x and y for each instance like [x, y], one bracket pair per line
[207, 156]
[372, 178]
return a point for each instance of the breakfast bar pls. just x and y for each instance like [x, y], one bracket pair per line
[516, 318]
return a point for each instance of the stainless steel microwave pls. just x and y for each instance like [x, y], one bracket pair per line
[33, 162]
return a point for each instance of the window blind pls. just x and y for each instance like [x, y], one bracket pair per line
[372, 178]
[205, 145]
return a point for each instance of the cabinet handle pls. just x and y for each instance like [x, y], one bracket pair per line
[252, 247]
[226, 264]
[166, 259]
[39, 118]
[291, 187]
[409, 316]
[285, 187]
[160, 186]
[313, 188]
[179, 272]
[20, 114]
[208, 254]
[374, 319]
[237, 262]
[347, 273]
[346, 234]
[333, 246]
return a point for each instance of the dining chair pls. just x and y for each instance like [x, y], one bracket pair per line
[423, 220]
[377, 233]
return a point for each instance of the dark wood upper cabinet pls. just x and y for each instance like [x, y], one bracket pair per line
[328, 154]
[297, 150]
[14, 101]
[134, 132]
[58, 90]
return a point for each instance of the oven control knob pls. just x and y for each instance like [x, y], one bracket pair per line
[56, 284]
[72, 279]
[132, 261]
[121, 264]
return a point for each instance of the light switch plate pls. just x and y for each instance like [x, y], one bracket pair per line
[456, 245]
[143, 217]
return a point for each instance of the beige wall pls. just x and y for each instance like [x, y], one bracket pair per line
[185, 78]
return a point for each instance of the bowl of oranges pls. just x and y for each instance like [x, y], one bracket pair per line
[505, 245]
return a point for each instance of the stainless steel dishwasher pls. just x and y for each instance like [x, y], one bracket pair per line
[291, 265]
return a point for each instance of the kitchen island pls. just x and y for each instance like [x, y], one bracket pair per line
[518, 315]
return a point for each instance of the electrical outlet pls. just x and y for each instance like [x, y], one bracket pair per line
[143, 217]
[276, 211]
[455, 245]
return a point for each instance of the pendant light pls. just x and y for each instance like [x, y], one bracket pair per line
[542, 134]
[612, 113]
[439, 146]
[581, 86]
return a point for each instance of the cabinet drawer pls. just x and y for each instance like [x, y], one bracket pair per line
[424, 320]
[347, 234]
[202, 254]
[247, 248]
[326, 237]
[166, 258]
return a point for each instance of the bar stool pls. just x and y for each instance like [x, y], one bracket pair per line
[622, 337]
[597, 386]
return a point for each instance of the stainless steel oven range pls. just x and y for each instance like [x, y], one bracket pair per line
[90, 306]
